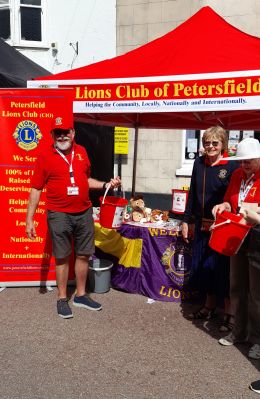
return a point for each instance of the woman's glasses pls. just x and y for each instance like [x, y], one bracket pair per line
[209, 143]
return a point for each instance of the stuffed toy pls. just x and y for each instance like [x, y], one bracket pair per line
[159, 216]
[138, 215]
[137, 202]
[127, 216]
[139, 211]
[156, 215]
[165, 216]
[148, 212]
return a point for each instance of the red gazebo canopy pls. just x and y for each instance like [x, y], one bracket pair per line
[202, 73]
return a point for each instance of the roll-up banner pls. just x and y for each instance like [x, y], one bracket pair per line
[26, 117]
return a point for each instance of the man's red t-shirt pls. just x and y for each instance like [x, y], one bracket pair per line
[52, 171]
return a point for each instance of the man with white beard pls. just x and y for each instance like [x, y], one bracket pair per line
[64, 170]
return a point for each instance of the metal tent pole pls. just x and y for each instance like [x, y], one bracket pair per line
[135, 160]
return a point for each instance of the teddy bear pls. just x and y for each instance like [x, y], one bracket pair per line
[139, 211]
[137, 202]
[156, 215]
[159, 216]
[138, 215]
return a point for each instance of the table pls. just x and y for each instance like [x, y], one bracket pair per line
[152, 261]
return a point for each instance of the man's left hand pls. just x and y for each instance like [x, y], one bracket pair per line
[115, 182]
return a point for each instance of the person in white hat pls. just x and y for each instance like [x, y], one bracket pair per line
[243, 196]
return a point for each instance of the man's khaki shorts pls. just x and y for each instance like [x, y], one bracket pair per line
[71, 231]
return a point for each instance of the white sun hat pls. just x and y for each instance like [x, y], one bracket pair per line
[248, 148]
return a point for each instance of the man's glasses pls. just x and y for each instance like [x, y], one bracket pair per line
[209, 143]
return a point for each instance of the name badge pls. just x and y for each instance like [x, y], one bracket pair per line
[73, 190]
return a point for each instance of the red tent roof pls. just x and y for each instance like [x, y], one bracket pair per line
[204, 43]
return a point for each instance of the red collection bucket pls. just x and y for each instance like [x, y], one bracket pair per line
[111, 211]
[228, 233]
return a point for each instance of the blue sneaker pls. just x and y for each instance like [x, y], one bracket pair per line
[84, 301]
[255, 386]
[64, 309]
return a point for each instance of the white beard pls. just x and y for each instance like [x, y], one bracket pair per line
[63, 145]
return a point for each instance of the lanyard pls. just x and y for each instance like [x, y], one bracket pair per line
[244, 189]
[72, 180]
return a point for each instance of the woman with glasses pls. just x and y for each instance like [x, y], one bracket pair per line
[209, 181]
[243, 196]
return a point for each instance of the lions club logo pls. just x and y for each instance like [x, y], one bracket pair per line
[27, 135]
[177, 262]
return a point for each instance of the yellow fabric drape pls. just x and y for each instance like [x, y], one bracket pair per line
[128, 251]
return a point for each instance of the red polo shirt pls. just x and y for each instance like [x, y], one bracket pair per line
[52, 171]
[232, 192]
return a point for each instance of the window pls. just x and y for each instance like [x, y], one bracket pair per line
[5, 28]
[192, 143]
[235, 136]
[22, 22]
[30, 19]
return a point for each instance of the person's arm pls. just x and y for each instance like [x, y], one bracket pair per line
[34, 199]
[189, 209]
[95, 184]
[188, 213]
[185, 231]
[251, 216]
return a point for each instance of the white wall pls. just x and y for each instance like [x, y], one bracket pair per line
[91, 23]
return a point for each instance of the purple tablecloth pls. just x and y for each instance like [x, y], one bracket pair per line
[164, 268]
